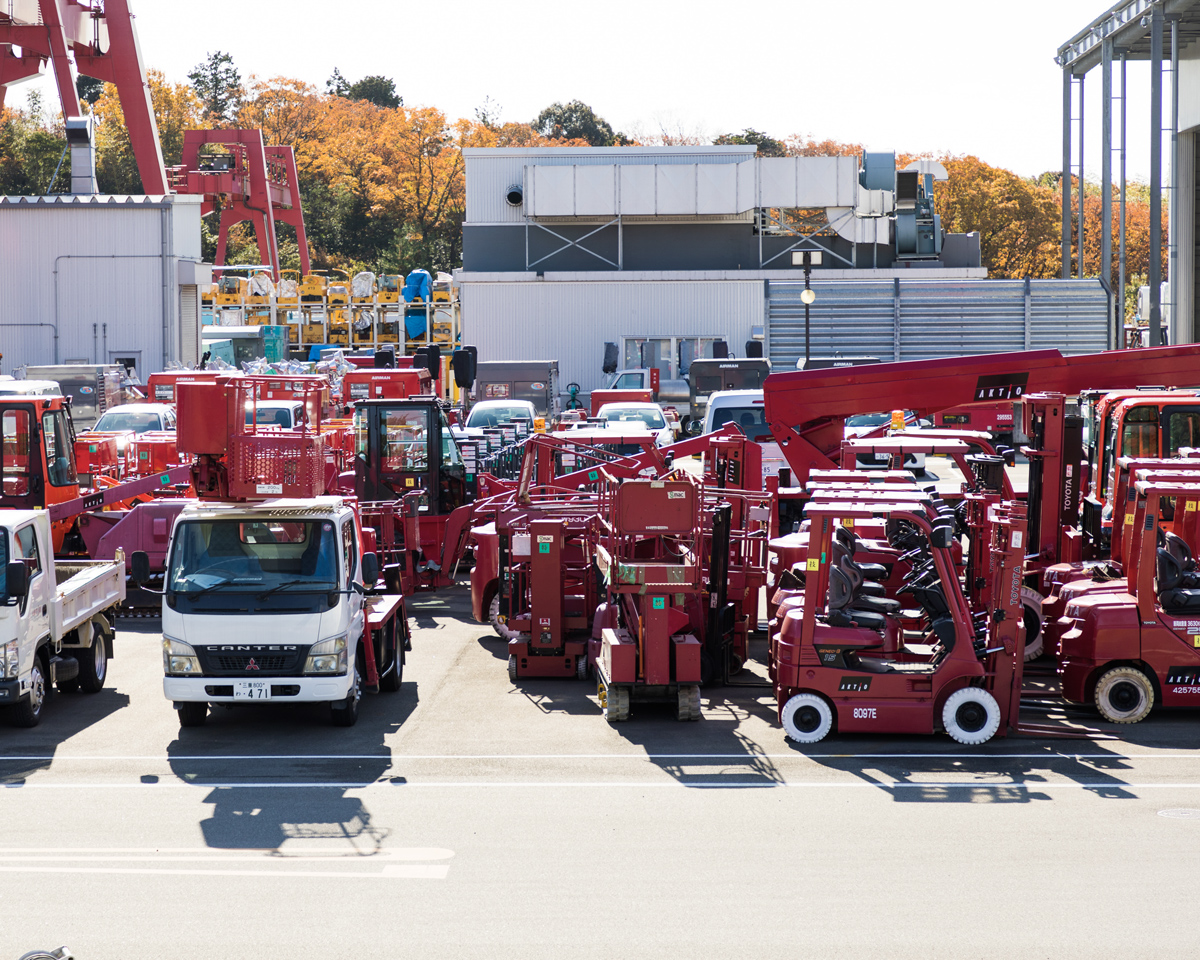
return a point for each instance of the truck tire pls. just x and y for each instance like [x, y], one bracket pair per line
[345, 714]
[192, 714]
[391, 680]
[27, 712]
[971, 716]
[93, 663]
[807, 718]
[1124, 695]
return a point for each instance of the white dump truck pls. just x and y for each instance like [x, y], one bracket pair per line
[273, 602]
[56, 618]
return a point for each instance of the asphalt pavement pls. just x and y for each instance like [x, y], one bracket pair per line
[467, 817]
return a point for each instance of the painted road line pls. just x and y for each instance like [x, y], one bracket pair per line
[727, 784]
[1194, 755]
[405, 871]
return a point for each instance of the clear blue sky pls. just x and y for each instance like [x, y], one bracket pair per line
[967, 76]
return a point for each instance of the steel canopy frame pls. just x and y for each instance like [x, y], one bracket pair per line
[71, 52]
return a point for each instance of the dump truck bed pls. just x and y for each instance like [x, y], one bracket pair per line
[85, 588]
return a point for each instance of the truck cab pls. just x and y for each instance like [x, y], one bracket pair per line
[266, 602]
[37, 452]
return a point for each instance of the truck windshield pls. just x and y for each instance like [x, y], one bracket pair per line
[651, 418]
[253, 555]
[750, 420]
[137, 422]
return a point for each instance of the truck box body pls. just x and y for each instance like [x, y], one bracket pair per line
[92, 387]
[532, 380]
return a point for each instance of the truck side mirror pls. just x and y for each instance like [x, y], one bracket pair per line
[463, 364]
[16, 579]
[610, 358]
[370, 569]
[139, 566]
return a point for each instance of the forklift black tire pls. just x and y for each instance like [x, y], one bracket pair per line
[1124, 695]
[582, 670]
[93, 663]
[1035, 637]
[192, 714]
[971, 716]
[807, 718]
[688, 702]
[27, 712]
[512, 667]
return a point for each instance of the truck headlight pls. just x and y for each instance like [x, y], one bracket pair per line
[10, 659]
[328, 656]
[179, 659]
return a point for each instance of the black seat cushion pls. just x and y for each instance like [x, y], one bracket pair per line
[1180, 598]
[880, 665]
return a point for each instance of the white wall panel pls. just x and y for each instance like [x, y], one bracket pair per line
[716, 188]
[777, 181]
[747, 186]
[676, 188]
[637, 190]
[553, 193]
[595, 191]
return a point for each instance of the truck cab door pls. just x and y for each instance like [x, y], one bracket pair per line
[452, 480]
[35, 608]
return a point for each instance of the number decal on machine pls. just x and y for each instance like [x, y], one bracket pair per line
[865, 713]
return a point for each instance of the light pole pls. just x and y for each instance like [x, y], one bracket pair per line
[807, 259]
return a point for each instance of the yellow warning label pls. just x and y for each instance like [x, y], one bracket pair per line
[1196, 639]
[1129, 519]
[814, 563]
[848, 522]
[1191, 507]
[409, 482]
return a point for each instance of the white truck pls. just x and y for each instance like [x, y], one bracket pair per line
[273, 602]
[56, 618]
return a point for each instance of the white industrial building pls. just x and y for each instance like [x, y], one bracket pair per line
[100, 279]
[665, 250]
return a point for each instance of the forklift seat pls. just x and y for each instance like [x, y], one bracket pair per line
[850, 541]
[867, 595]
[841, 614]
[1177, 588]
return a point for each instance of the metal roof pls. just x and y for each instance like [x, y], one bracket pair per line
[1128, 23]
[613, 152]
[95, 200]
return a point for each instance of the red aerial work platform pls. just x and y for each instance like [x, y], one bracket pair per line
[258, 183]
[96, 40]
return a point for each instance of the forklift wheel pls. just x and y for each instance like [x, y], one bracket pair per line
[512, 668]
[688, 706]
[1035, 638]
[1124, 695]
[581, 668]
[971, 715]
[807, 718]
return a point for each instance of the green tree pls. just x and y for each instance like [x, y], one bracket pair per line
[88, 88]
[575, 121]
[337, 85]
[378, 90]
[767, 146]
[219, 86]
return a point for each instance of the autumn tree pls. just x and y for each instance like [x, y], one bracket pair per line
[218, 84]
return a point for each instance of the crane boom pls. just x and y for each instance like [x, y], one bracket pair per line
[806, 409]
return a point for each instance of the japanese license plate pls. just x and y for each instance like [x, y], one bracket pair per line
[252, 690]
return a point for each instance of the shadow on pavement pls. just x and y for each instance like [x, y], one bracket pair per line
[280, 775]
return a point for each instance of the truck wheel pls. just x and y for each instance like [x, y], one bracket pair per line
[971, 716]
[502, 629]
[807, 718]
[345, 714]
[1124, 695]
[27, 712]
[390, 681]
[192, 714]
[1035, 638]
[93, 663]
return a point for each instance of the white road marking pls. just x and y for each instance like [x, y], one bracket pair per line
[1195, 755]
[406, 871]
[725, 784]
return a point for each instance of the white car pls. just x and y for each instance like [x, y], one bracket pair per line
[285, 414]
[488, 414]
[138, 417]
[862, 424]
[650, 415]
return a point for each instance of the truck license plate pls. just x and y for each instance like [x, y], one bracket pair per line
[252, 690]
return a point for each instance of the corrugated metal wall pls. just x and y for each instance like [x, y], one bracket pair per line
[570, 321]
[918, 320]
[74, 265]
